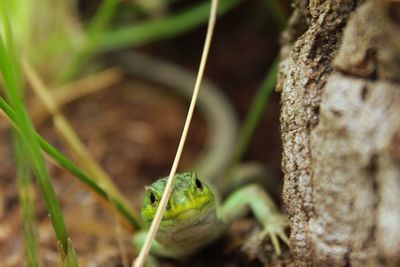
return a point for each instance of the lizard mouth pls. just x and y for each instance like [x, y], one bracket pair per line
[194, 212]
[188, 213]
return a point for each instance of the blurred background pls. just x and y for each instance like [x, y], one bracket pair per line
[130, 123]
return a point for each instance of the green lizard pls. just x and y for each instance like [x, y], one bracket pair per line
[194, 219]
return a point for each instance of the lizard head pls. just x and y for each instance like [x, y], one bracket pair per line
[191, 201]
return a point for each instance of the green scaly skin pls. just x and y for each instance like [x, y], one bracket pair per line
[193, 218]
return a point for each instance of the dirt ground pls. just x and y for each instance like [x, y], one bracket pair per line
[132, 129]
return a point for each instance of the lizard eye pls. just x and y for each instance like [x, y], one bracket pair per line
[199, 185]
[152, 199]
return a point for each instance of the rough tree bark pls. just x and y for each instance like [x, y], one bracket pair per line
[340, 120]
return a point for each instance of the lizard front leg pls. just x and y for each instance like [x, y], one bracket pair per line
[254, 198]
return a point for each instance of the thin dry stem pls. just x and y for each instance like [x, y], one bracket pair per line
[140, 260]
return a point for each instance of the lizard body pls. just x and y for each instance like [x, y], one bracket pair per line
[183, 233]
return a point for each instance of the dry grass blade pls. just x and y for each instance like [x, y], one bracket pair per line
[77, 89]
[168, 189]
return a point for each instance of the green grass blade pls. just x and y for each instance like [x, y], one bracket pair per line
[100, 40]
[69, 259]
[12, 84]
[102, 17]
[149, 31]
[74, 170]
[95, 29]
[260, 101]
[26, 199]
[256, 110]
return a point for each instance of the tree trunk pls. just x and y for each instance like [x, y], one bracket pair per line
[340, 120]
